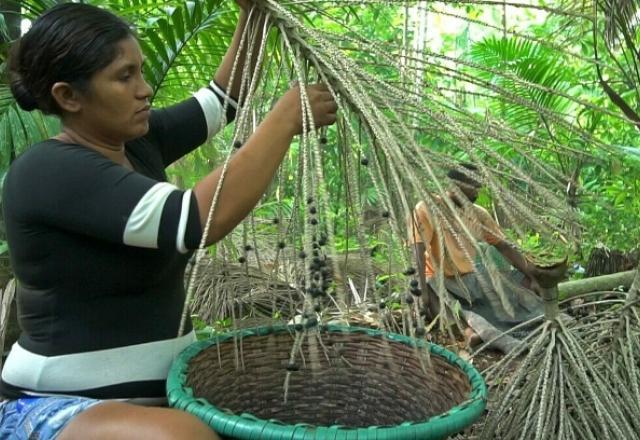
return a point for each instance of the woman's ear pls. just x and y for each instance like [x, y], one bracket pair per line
[67, 98]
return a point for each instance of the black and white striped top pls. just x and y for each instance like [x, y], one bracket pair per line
[99, 252]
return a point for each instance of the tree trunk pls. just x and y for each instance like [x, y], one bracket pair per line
[602, 283]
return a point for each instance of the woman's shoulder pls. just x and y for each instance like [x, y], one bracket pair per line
[49, 151]
[35, 154]
[48, 161]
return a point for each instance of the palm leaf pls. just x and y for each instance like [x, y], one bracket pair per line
[621, 17]
[178, 39]
[531, 63]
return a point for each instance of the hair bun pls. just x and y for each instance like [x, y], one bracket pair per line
[23, 96]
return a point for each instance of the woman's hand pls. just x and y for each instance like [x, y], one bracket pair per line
[323, 107]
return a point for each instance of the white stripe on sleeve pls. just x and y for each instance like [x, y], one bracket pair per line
[182, 225]
[212, 109]
[222, 94]
[143, 225]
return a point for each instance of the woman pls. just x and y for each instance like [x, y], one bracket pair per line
[99, 240]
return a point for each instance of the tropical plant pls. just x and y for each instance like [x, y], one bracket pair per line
[532, 105]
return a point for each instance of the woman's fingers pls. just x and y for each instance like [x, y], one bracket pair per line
[325, 113]
[323, 106]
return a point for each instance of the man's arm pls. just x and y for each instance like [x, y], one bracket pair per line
[494, 236]
[545, 277]
[515, 257]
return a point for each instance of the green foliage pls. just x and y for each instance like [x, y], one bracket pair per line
[533, 87]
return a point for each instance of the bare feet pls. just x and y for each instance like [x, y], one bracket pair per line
[472, 338]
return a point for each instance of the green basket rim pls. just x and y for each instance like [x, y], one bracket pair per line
[249, 427]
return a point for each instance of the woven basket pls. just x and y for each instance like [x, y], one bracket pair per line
[353, 383]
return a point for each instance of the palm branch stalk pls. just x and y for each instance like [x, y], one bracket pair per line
[551, 388]
[613, 343]
[373, 127]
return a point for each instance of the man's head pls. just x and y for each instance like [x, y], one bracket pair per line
[463, 177]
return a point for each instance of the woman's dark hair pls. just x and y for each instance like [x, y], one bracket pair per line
[69, 43]
[465, 173]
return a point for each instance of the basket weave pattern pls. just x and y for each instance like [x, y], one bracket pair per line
[354, 380]
[352, 383]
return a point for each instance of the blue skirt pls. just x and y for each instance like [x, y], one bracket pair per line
[41, 418]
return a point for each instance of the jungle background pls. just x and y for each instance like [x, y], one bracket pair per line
[543, 95]
[561, 79]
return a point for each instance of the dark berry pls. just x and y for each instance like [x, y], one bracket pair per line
[302, 255]
[248, 248]
[298, 327]
[316, 253]
[309, 200]
[414, 283]
[312, 210]
[311, 322]
[322, 241]
[242, 260]
[410, 271]
[313, 221]
[292, 366]
[382, 305]
[276, 221]
[317, 308]
[281, 244]
[323, 140]
[408, 299]
[416, 292]
[237, 144]
[386, 214]
[364, 161]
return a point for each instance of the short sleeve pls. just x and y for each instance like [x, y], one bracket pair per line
[179, 129]
[419, 226]
[73, 188]
[218, 107]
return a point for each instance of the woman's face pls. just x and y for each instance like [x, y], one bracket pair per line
[115, 108]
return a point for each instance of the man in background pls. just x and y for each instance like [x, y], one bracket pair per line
[492, 301]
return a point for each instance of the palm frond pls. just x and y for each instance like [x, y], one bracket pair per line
[621, 17]
[179, 42]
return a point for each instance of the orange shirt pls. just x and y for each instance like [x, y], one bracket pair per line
[459, 253]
